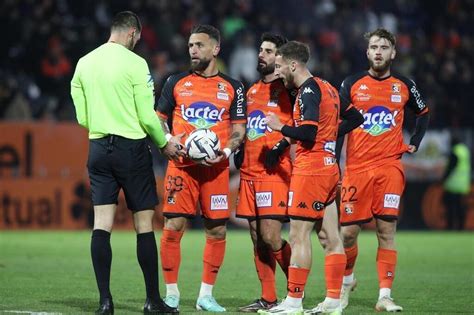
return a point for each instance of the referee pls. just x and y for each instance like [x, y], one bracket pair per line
[112, 90]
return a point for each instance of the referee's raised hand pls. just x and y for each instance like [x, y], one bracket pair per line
[174, 149]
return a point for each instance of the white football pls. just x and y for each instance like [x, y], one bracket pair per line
[201, 144]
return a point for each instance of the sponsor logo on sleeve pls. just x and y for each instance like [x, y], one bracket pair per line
[240, 101]
[263, 199]
[391, 201]
[219, 202]
[419, 101]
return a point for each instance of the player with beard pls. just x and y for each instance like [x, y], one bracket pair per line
[265, 169]
[373, 180]
[200, 98]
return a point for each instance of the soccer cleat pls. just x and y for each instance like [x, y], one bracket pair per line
[158, 307]
[386, 304]
[209, 304]
[322, 309]
[172, 300]
[106, 307]
[345, 292]
[283, 308]
[259, 304]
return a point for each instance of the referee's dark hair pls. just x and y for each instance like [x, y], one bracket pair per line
[209, 30]
[276, 39]
[125, 20]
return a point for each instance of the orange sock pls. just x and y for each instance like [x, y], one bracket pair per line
[386, 263]
[283, 256]
[334, 265]
[297, 278]
[265, 264]
[351, 254]
[214, 251]
[170, 252]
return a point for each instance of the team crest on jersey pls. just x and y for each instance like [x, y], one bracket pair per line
[274, 96]
[378, 120]
[202, 114]
[256, 125]
[396, 87]
[222, 87]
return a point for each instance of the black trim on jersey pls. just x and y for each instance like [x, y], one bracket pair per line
[309, 99]
[358, 222]
[388, 218]
[345, 89]
[222, 221]
[415, 101]
[421, 126]
[351, 119]
[295, 217]
[171, 215]
[418, 106]
[166, 102]
[302, 133]
[281, 218]
[238, 107]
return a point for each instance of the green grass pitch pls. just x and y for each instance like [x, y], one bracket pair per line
[51, 272]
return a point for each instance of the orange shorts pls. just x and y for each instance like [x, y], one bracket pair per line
[310, 194]
[185, 186]
[262, 200]
[373, 193]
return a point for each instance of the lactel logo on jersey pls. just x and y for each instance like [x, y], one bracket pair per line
[202, 114]
[378, 120]
[256, 125]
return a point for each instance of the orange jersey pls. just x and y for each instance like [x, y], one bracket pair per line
[263, 98]
[382, 102]
[317, 103]
[193, 101]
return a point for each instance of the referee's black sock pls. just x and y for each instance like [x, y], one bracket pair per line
[101, 253]
[148, 259]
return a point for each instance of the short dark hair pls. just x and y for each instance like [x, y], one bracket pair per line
[277, 39]
[125, 20]
[207, 29]
[294, 50]
[382, 33]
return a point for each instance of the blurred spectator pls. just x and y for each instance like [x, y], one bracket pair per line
[243, 60]
[44, 38]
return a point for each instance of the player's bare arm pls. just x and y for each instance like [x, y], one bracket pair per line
[236, 138]
[173, 149]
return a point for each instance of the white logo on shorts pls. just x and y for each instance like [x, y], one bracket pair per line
[290, 198]
[219, 202]
[263, 199]
[391, 201]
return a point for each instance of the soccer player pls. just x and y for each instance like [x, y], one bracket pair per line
[112, 90]
[373, 180]
[200, 98]
[313, 181]
[265, 169]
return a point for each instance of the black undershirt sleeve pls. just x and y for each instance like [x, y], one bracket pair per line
[302, 133]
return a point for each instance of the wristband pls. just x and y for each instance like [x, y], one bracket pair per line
[168, 136]
[227, 152]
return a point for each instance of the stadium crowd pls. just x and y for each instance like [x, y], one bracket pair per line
[44, 39]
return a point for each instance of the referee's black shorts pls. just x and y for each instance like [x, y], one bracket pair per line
[115, 162]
